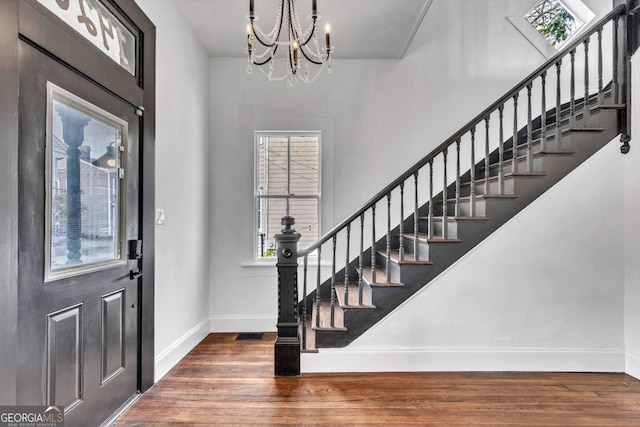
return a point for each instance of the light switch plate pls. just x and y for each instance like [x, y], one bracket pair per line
[159, 216]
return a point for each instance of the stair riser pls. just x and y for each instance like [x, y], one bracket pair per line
[423, 249]
[464, 208]
[438, 225]
[381, 261]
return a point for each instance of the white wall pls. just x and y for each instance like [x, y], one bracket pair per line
[182, 186]
[380, 116]
[545, 292]
[632, 237]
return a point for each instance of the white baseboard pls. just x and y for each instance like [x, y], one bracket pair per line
[632, 365]
[169, 357]
[243, 323]
[423, 360]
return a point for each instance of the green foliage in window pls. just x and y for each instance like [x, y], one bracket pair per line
[552, 21]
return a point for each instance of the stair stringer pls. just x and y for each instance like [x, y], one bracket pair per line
[498, 209]
[420, 349]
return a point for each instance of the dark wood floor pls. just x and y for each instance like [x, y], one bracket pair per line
[228, 382]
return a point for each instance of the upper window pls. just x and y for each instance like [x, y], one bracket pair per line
[96, 23]
[550, 24]
[287, 183]
[553, 21]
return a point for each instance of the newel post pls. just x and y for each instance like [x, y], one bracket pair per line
[287, 345]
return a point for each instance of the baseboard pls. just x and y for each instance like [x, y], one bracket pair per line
[169, 357]
[243, 323]
[419, 360]
[632, 365]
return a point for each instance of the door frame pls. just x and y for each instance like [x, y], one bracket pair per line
[19, 20]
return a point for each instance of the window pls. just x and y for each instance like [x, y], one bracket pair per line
[550, 24]
[84, 193]
[553, 21]
[287, 183]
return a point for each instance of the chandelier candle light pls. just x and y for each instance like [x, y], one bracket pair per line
[302, 47]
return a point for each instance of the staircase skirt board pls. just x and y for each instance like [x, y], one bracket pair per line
[465, 231]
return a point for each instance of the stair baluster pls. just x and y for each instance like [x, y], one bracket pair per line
[304, 303]
[572, 104]
[361, 260]
[600, 67]
[501, 151]
[586, 110]
[543, 117]
[318, 300]
[615, 84]
[416, 224]
[333, 283]
[401, 245]
[558, 102]
[373, 243]
[487, 156]
[388, 262]
[457, 207]
[346, 268]
[430, 218]
[529, 130]
[472, 172]
[514, 147]
[445, 219]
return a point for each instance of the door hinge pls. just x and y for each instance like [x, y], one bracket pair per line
[121, 173]
[140, 111]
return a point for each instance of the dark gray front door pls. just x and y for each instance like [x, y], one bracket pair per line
[78, 311]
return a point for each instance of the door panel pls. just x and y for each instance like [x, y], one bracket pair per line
[77, 336]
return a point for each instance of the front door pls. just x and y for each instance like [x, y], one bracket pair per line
[79, 241]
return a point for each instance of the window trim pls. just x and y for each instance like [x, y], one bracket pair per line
[290, 134]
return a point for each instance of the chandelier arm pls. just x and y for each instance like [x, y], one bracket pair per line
[313, 31]
[255, 34]
[309, 59]
[266, 61]
[275, 40]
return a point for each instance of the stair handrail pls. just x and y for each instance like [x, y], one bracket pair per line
[288, 344]
[617, 11]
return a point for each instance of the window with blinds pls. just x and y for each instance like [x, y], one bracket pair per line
[287, 183]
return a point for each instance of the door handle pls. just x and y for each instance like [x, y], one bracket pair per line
[134, 274]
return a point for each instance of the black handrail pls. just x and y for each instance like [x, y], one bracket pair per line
[621, 9]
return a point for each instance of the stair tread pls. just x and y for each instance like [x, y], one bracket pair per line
[610, 107]
[353, 297]
[456, 218]
[526, 174]
[497, 196]
[575, 129]
[325, 317]
[408, 258]
[424, 237]
[558, 152]
[380, 274]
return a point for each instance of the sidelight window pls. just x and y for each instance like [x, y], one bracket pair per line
[287, 183]
[85, 186]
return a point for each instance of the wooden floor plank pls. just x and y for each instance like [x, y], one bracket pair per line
[228, 382]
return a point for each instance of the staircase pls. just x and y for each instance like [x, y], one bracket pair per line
[516, 150]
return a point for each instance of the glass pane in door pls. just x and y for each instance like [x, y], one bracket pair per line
[84, 193]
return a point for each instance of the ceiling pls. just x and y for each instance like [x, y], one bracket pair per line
[360, 29]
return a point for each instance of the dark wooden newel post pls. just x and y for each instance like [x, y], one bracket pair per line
[287, 345]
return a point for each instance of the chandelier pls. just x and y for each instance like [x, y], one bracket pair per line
[305, 57]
